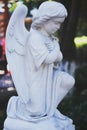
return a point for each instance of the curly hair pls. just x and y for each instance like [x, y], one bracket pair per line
[47, 11]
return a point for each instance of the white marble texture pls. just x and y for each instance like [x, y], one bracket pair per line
[33, 59]
[49, 124]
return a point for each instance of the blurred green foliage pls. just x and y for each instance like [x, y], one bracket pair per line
[80, 41]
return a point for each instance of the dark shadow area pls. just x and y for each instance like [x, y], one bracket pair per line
[75, 107]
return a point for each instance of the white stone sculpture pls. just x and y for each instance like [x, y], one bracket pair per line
[33, 59]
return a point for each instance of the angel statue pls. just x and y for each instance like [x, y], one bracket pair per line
[33, 57]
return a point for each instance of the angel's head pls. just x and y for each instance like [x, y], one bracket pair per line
[49, 11]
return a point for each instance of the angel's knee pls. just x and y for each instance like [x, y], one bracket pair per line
[68, 81]
[71, 81]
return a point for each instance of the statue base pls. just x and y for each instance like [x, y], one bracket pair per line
[51, 123]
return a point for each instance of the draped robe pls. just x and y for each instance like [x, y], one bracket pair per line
[42, 80]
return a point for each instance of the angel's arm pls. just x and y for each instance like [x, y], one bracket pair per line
[54, 56]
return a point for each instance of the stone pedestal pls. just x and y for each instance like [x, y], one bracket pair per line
[51, 123]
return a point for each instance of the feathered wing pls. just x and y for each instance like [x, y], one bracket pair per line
[16, 38]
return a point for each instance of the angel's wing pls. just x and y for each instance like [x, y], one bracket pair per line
[16, 37]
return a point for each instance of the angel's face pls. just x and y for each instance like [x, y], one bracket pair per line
[52, 25]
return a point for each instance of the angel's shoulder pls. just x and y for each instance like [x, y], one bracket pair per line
[35, 36]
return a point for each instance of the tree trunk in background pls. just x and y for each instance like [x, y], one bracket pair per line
[68, 29]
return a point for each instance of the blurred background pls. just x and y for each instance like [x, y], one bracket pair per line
[73, 42]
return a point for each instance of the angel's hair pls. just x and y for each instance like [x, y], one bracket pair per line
[47, 11]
